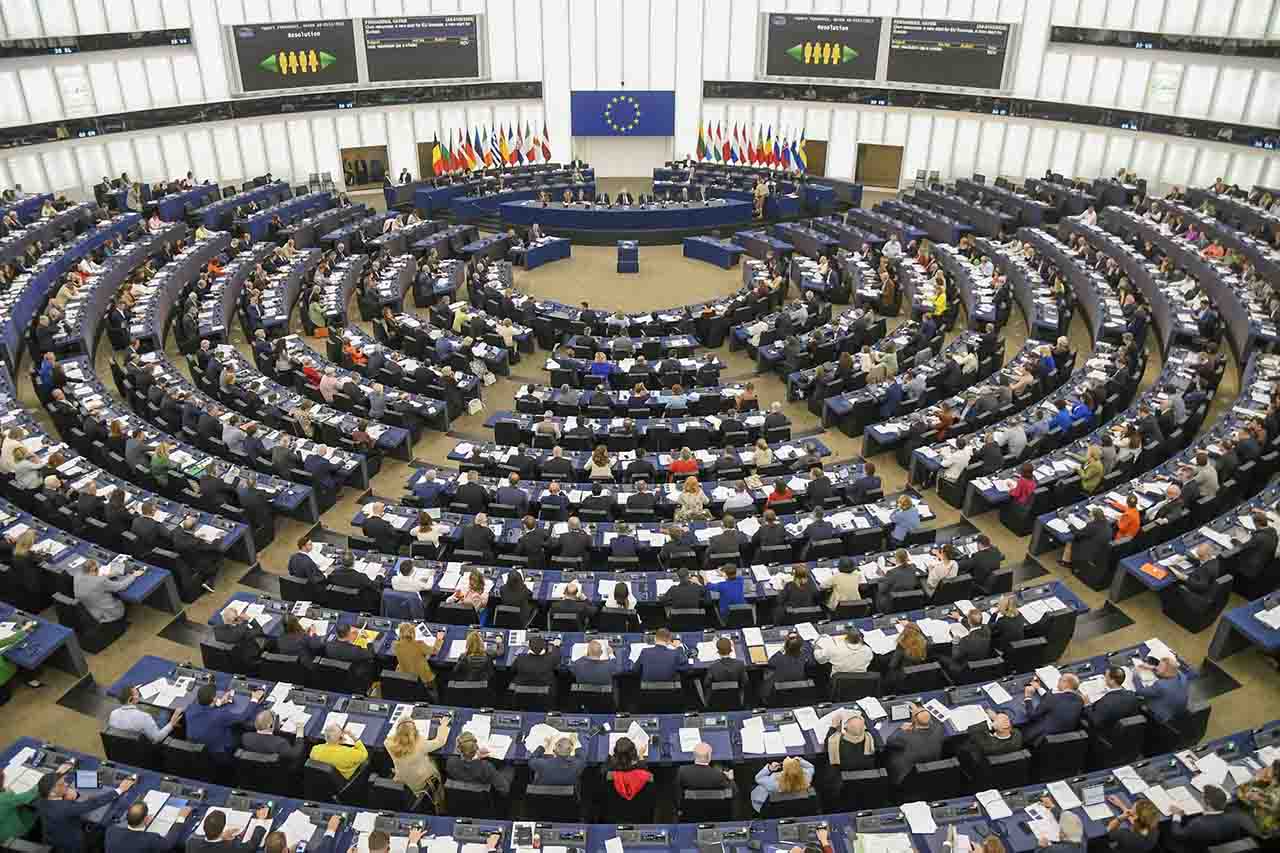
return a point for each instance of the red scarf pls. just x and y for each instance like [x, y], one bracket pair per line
[628, 783]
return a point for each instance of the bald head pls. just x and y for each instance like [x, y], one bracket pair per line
[702, 754]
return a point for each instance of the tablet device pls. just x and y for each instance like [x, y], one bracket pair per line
[86, 779]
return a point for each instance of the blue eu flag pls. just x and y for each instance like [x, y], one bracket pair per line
[623, 113]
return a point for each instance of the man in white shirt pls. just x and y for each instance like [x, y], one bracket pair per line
[892, 248]
[846, 654]
[967, 360]
[1015, 439]
[130, 718]
[404, 580]
[915, 386]
[740, 499]
[956, 461]
[1204, 475]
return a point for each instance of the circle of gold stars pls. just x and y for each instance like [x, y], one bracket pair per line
[622, 126]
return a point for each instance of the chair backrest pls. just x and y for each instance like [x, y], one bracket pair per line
[468, 799]
[936, 780]
[1011, 770]
[260, 771]
[184, 758]
[922, 678]
[852, 686]
[402, 687]
[705, 805]
[388, 795]
[321, 781]
[402, 605]
[790, 694]
[657, 696]
[593, 698]
[863, 789]
[981, 671]
[470, 694]
[1061, 755]
[125, 747]
[797, 804]
[557, 803]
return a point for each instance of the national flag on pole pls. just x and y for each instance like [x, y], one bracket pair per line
[531, 139]
[775, 155]
[495, 155]
[713, 147]
[786, 154]
[768, 146]
[546, 144]
[797, 154]
[503, 151]
[751, 149]
[459, 155]
[517, 153]
[725, 149]
[515, 145]
[437, 166]
[471, 152]
[701, 149]
[478, 147]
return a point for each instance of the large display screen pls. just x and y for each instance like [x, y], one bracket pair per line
[296, 54]
[838, 46]
[424, 48]
[948, 53]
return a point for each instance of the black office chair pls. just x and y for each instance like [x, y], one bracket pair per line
[507, 616]
[469, 799]
[258, 771]
[862, 789]
[555, 803]
[1026, 655]
[639, 809]
[277, 667]
[531, 697]
[724, 696]
[402, 687]
[388, 795]
[980, 671]
[1059, 756]
[455, 613]
[219, 656]
[470, 694]
[659, 696]
[593, 698]
[1122, 744]
[185, 758]
[343, 675]
[704, 806]
[852, 686]
[130, 748]
[323, 783]
[797, 804]
[792, 694]
[921, 678]
[94, 636]
[935, 780]
[1011, 770]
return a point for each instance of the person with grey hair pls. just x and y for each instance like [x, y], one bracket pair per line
[564, 764]
[343, 752]
[377, 398]
[265, 739]
[569, 396]
[1071, 831]
[775, 418]
[702, 775]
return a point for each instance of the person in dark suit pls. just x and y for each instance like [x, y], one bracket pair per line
[1008, 625]
[1054, 713]
[1217, 825]
[324, 474]
[664, 660]
[1256, 555]
[574, 542]
[771, 532]
[214, 491]
[819, 488]
[575, 604]
[376, 527]
[472, 494]
[87, 503]
[701, 775]
[919, 739]
[343, 647]
[1115, 704]
[982, 562]
[510, 494]
[902, 577]
[819, 530]
[478, 537]
[725, 668]
[62, 809]
[265, 739]
[302, 565]
[729, 541]
[642, 498]
[132, 835]
[255, 503]
[217, 839]
[537, 666]
[150, 531]
[532, 542]
[975, 645]
[1091, 545]
[1197, 585]
[624, 544]
[862, 486]
[243, 635]
[595, 667]
[598, 501]
[686, 594]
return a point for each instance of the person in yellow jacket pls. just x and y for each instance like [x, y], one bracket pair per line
[341, 750]
[940, 302]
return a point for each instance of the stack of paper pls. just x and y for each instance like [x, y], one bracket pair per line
[919, 817]
[994, 805]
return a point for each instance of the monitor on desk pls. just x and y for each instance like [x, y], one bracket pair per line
[86, 780]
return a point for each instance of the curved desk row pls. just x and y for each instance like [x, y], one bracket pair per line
[1033, 294]
[1093, 292]
[479, 206]
[149, 317]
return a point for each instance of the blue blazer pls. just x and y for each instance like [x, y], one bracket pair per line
[1051, 714]
[213, 727]
[1166, 698]
[62, 820]
[624, 546]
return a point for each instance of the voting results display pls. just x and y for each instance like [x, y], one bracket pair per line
[837, 46]
[948, 53]
[295, 55]
[436, 47]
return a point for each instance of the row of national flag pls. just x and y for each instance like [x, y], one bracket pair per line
[751, 146]
[470, 150]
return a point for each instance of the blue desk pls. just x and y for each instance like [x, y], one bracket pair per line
[478, 207]
[649, 217]
[173, 207]
[494, 246]
[759, 243]
[547, 250]
[808, 241]
[288, 210]
[49, 642]
[216, 213]
[1239, 628]
[722, 253]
